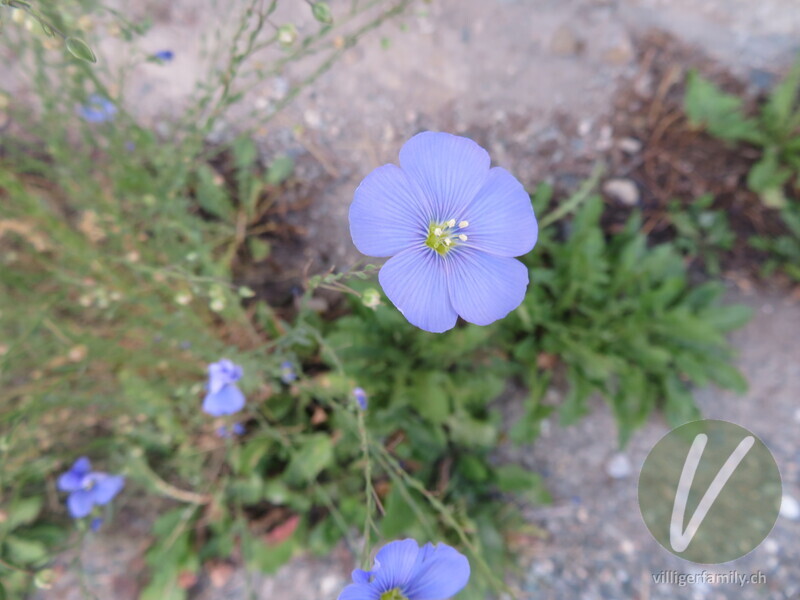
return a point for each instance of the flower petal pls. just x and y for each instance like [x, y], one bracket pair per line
[439, 573]
[449, 170]
[80, 503]
[361, 576]
[106, 487]
[500, 217]
[396, 561]
[485, 287]
[416, 282]
[222, 373]
[360, 591]
[388, 213]
[71, 481]
[228, 400]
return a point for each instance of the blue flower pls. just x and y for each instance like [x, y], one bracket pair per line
[96, 524]
[164, 55]
[233, 430]
[98, 109]
[404, 571]
[452, 226]
[223, 397]
[287, 372]
[361, 397]
[88, 488]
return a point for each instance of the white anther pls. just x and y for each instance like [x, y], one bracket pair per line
[462, 237]
[451, 223]
[437, 231]
[463, 224]
[447, 242]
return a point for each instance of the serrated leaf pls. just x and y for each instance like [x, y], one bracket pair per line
[707, 105]
[768, 173]
[780, 106]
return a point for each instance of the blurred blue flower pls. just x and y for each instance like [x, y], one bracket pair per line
[88, 488]
[361, 397]
[287, 372]
[452, 226]
[223, 397]
[404, 571]
[98, 109]
[235, 429]
[96, 524]
[164, 55]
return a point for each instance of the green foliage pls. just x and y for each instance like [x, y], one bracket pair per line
[622, 319]
[776, 130]
[783, 251]
[702, 232]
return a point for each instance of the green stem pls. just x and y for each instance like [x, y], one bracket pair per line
[578, 198]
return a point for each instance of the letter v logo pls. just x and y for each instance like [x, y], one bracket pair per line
[680, 540]
[709, 491]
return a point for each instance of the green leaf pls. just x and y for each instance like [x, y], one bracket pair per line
[777, 112]
[22, 512]
[280, 170]
[244, 153]
[314, 454]
[518, 480]
[400, 516]
[430, 397]
[23, 551]
[768, 173]
[707, 105]
[267, 558]
[259, 248]
[470, 432]
[728, 318]
[212, 195]
[322, 12]
[727, 376]
[79, 49]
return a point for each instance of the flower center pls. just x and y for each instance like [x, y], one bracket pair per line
[443, 237]
[394, 594]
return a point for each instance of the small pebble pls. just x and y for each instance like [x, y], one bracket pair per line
[790, 508]
[622, 190]
[630, 145]
[565, 42]
[619, 467]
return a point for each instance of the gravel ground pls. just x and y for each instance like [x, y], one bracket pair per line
[598, 546]
[533, 81]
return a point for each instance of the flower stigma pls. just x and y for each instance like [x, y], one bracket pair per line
[442, 237]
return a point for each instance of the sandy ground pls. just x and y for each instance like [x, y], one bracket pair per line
[533, 81]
